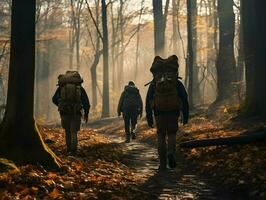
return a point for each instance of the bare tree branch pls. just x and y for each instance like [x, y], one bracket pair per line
[94, 21]
[129, 40]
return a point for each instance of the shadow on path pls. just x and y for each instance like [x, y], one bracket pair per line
[179, 183]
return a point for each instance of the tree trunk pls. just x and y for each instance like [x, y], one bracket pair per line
[226, 65]
[260, 59]
[105, 105]
[159, 40]
[240, 59]
[196, 91]
[254, 31]
[215, 19]
[77, 25]
[2, 90]
[190, 54]
[71, 47]
[114, 50]
[20, 140]
[94, 78]
[96, 60]
[122, 46]
[210, 34]
[137, 42]
[174, 22]
[77, 45]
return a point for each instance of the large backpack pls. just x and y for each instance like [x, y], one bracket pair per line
[70, 93]
[131, 100]
[165, 73]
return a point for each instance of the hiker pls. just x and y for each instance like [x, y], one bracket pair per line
[71, 99]
[130, 104]
[166, 97]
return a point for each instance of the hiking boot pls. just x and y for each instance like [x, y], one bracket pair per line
[133, 136]
[127, 138]
[171, 161]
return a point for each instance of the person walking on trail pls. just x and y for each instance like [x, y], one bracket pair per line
[166, 97]
[71, 99]
[130, 104]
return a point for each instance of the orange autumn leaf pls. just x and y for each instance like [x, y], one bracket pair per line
[55, 193]
[52, 175]
[79, 166]
[34, 189]
[28, 197]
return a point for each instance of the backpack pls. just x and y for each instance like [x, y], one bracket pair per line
[165, 73]
[131, 99]
[70, 92]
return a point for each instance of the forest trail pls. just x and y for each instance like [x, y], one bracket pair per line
[105, 167]
[179, 183]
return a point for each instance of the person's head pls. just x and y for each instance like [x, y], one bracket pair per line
[131, 83]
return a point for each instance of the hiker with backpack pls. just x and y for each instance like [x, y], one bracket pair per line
[71, 99]
[166, 97]
[130, 104]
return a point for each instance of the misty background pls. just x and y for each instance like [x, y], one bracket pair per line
[69, 35]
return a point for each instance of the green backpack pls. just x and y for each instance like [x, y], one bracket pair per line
[70, 92]
[165, 73]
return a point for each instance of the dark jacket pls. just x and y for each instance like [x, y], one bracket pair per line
[84, 100]
[121, 104]
[183, 96]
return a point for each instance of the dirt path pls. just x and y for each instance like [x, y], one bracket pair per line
[180, 183]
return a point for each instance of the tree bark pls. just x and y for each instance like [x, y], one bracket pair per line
[253, 16]
[94, 78]
[105, 104]
[226, 65]
[20, 140]
[194, 13]
[174, 22]
[190, 54]
[98, 53]
[114, 50]
[240, 59]
[71, 40]
[138, 41]
[158, 19]
[260, 61]
[120, 78]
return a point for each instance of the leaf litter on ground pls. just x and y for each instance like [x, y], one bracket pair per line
[96, 171]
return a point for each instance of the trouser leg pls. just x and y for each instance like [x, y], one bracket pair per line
[162, 148]
[66, 124]
[161, 133]
[126, 117]
[171, 140]
[134, 118]
[75, 127]
[172, 128]
[74, 140]
[68, 139]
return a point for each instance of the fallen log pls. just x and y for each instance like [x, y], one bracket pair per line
[248, 138]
